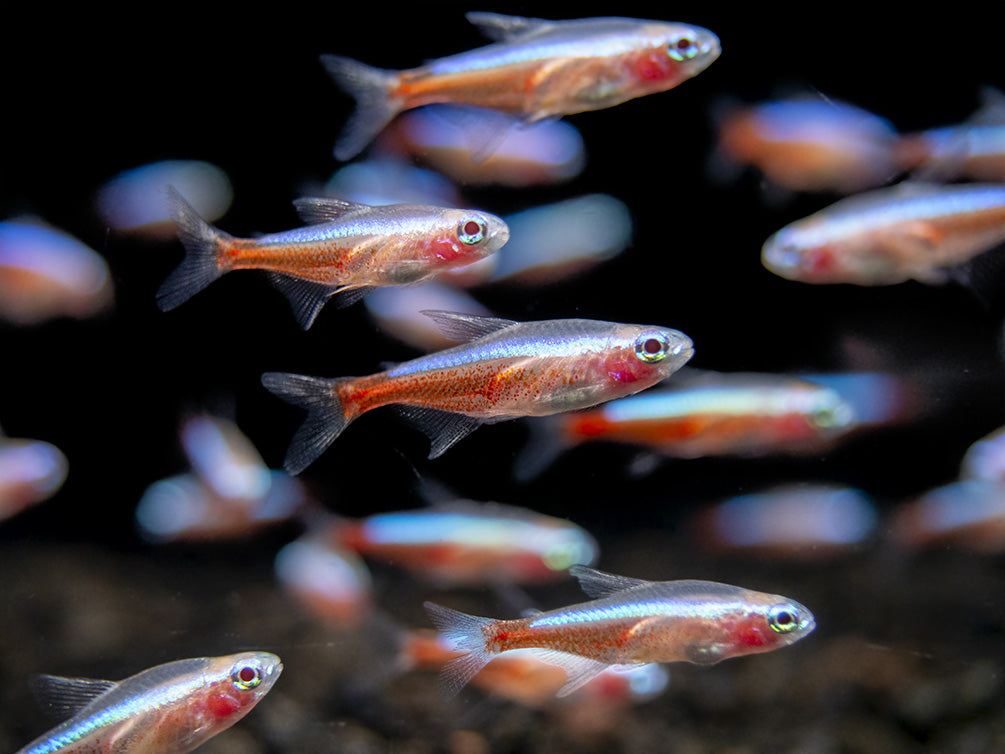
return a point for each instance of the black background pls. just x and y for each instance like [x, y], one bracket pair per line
[90, 94]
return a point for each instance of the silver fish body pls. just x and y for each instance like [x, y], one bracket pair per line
[167, 709]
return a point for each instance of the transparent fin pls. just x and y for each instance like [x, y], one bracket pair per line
[375, 106]
[499, 27]
[326, 418]
[64, 697]
[443, 428]
[200, 267]
[466, 327]
[306, 297]
[598, 584]
[317, 210]
[464, 632]
[579, 671]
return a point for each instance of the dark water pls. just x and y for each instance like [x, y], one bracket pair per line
[909, 653]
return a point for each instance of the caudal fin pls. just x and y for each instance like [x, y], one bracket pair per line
[465, 633]
[326, 418]
[375, 106]
[200, 267]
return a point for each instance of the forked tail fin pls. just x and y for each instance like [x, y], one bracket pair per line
[375, 105]
[200, 266]
[465, 633]
[326, 417]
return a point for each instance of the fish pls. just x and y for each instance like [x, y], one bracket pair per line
[806, 522]
[46, 274]
[888, 236]
[810, 144]
[968, 514]
[463, 542]
[522, 676]
[711, 414]
[347, 250]
[331, 583]
[30, 471]
[535, 69]
[504, 369]
[167, 709]
[629, 621]
[974, 149]
[444, 137]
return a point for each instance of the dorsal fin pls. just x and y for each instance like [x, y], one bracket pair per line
[63, 697]
[501, 28]
[598, 584]
[465, 327]
[316, 210]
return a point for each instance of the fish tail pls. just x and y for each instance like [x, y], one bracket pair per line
[465, 632]
[375, 104]
[326, 415]
[201, 266]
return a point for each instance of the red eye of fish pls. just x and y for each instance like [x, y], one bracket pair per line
[651, 350]
[471, 232]
[683, 43]
[246, 677]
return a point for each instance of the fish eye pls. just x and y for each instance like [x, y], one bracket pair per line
[471, 231]
[246, 677]
[652, 347]
[783, 618]
[682, 48]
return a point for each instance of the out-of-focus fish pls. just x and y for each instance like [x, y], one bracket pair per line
[523, 676]
[506, 369]
[974, 150]
[231, 494]
[969, 514]
[556, 241]
[133, 201]
[348, 249]
[985, 459]
[445, 137]
[168, 709]
[45, 273]
[329, 581]
[462, 542]
[811, 144]
[891, 235]
[398, 311]
[536, 69]
[712, 414]
[629, 621]
[30, 471]
[185, 508]
[803, 522]
[387, 180]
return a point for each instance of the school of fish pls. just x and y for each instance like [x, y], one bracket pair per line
[572, 381]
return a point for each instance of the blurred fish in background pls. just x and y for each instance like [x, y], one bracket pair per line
[31, 471]
[803, 522]
[46, 273]
[807, 144]
[230, 493]
[446, 138]
[135, 200]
